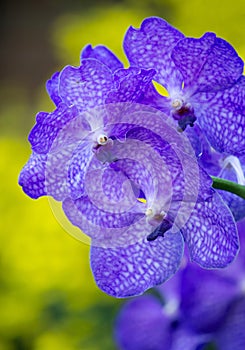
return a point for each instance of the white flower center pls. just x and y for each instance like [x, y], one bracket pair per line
[102, 139]
[177, 103]
[153, 217]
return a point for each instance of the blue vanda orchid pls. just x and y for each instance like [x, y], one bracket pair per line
[125, 175]
[196, 309]
[203, 77]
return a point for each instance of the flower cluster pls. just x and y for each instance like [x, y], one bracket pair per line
[115, 154]
[193, 310]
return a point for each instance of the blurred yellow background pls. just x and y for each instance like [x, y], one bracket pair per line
[48, 299]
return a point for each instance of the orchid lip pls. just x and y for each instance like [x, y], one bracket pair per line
[183, 112]
[164, 226]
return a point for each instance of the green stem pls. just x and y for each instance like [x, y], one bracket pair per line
[229, 186]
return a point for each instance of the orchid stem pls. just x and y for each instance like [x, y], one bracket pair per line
[225, 185]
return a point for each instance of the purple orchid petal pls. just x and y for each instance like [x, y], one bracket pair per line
[143, 172]
[72, 133]
[141, 324]
[86, 86]
[153, 98]
[60, 145]
[103, 218]
[111, 184]
[222, 118]
[87, 174]
[79, 163]
[166, 187]
[194, 138]
[56, 172]
[209, 159]
[52, 88]
[211, 234]
[231, 335]
[102, 54]
[229, 168]
[207, 64]
[122, 74]
[32, 176]
[235, 203]
[236, 270]
[130, 270]
[188, 180]
[60, 155]
[183, 338]
[241, 231]
[150, 47]
[47, 129]
[109, 209]
[185, 176]
[133, 159]
[163, 139]
[211, 294]
[41, 116]
[132, 86]
[139, 115]
[107, 228]
[170, 292]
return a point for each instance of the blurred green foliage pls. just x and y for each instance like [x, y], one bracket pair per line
[48, 299]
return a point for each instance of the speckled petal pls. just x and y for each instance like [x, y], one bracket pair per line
[152, 98]
[78, 165]
[140, 175]
[236, 270]
[108, 228]
[211, 234]
[32, 176]
[222, 117]
[56, 172]
[102, 54]
[130, 270]
[52, 88]
[140, 115]
[187, 179]
[133, 159]
[108, 192]
[109, 207]
[41, 116]
[231, 335]
[207, 64]
[85, 86]
[112, 218]
[151, 46]
[46, 129]
[132, 86]
[141, 324]
[211, 294]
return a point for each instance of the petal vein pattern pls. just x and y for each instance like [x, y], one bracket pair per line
[117, 154]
